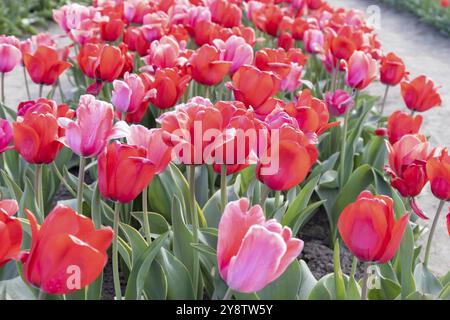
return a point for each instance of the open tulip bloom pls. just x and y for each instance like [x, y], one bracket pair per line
[199, 141]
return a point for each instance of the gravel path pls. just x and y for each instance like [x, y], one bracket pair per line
[424, 51]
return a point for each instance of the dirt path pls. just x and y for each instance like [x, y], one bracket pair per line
[424, 51]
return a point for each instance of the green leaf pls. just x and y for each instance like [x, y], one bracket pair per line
[299, 203]
[426, 282]
[338, 277]
[158, 224]
[141, 268]
[307, 281]
[156, 286]
[178, 279]
[137, 242]
[212, 210]
[285, 287]
[306, 215]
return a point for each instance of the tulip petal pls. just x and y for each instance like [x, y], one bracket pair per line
[257, 261]
[396, 238]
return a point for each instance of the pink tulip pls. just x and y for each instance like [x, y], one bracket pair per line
[361, 70]
[163, 53]
[235, 50]
[10, 54]
[153, 141]
[253, 252]
[130, 94]
[5, 135]
[71, 16]
[94, 127]
[339, 102]
[314, 40]
[196, 14]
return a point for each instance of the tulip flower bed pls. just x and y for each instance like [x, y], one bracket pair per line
[199, 140]
[433, 12]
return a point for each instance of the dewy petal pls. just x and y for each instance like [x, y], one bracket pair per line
[257, 261]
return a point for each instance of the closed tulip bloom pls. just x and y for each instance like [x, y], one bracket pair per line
[5, 135]
[207, 68]
[101, 62]
[154, 141]
[128, 95]
[438, 171]
[392, 69]
[313, 40]
[10, 54]
[65, 243]
[170, 85]
[287, 160]
[253, 252]
[267, 18]
[45, 66]
[94, 127]
[10, 232]
[254, 87]
[225, 13]
[369, 229]
[124, 171]
[37, 136]
[339, 102]
[420, 94]
[360, 70]
[343, 44]
[401, 123]
[407, 162]
[71, 16]
[236, 50]
[134, 38]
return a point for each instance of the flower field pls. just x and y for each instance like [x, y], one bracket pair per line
[193, 142]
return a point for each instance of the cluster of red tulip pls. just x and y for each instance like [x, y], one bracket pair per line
[193, 83]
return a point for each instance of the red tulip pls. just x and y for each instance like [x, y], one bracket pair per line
[225, 13]
[343, 44]
[311, 113]
[112, 29]
[45, 65]
[274, 60]
[287, 160]
[360, 70]
[170, 85]
[438, 171]
[10, 232]
[134, 38]
[420, 94]
[37, 137]
[392, 70]
[254, 87]
[268, 19]
[5, 135]
[407, 161]
[102, 62]
[369, 230]
[67, 253]
[207, 68]
[253, 252]
[400, 124]
[124, 171]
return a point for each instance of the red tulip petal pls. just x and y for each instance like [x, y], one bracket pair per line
[396, 238]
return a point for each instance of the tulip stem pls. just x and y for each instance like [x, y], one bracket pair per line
[354, 266]
[115, 260]
[38, 189]
[343, 150]
[223, 187]
[41, 90]
[364, 289]
[3, 88]
[42, 295]
[195, 226]
[383, 103]
[81, 170]
[27, 87]
[228, 295]
[277, 199]
[148, 234]
[432, 231]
